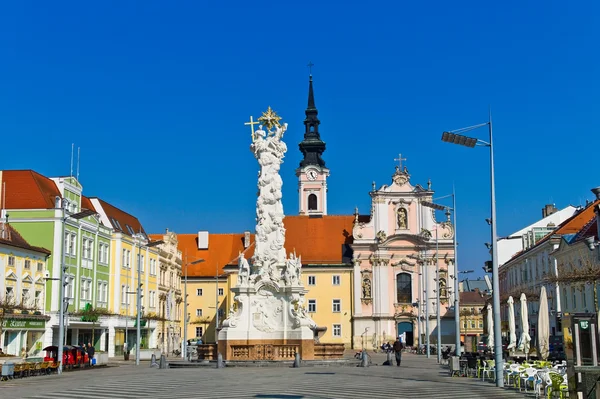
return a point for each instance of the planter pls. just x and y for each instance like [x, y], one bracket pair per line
[101, 358]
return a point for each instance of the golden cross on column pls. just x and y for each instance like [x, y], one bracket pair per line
[400, 159]
[251, 123]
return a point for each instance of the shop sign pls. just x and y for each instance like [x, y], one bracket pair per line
[23, 323]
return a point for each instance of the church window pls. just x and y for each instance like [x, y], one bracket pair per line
[312, 202]
[404, 288]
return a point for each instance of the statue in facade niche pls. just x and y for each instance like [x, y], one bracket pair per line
[402, 218]
[366, 288]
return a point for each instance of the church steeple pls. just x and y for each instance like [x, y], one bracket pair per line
[312, 146]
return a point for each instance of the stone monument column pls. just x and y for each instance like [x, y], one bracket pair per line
[268, 320]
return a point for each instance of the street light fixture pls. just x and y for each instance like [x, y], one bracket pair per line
[148, 244]
[457, 137]
[456, 293]
[63, 269]
[185, 312]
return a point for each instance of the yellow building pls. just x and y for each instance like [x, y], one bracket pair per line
[23, 268]
[134, 261]
[471, 319]
[326, 267]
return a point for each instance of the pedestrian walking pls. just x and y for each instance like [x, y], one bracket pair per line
[91, 351]
[398, 346]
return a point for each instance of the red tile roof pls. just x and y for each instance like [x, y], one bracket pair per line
[86, 203]
[10, 236]
[471, 298]
[570, 226]
[26, 189]
[121, 220]
[324, 240]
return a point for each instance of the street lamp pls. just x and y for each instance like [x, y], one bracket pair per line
[457, 137]
[185, 312]
[148, 244]
[456, 295]
[63, 269]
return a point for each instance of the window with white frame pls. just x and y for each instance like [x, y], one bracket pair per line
[337, 305]
[123, 295]
[337, 330]
[10, 293]
[67, 249]
[27, 264]
[312, 280]
[312, 305]
[40, 267]
[25, 297]
[335, 280]
[86, 292]
[38, 300]
[73, 244]
[87, 245]
[103, 253]
[69, 287]
[11, 260]
[198, 291]
[199, 331]
[152, 299]
[220, 291]
[199, 312]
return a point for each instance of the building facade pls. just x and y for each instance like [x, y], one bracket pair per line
[52, 213]
[471, 318]
[22, 300]
[134, 263]
[170, 293]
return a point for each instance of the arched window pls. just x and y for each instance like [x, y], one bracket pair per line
[404, 288]
[312, 202]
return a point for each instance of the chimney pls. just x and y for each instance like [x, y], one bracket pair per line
[203, 240]
[548, 210]
[246, 239]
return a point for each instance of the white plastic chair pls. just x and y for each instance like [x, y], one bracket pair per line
[489, 368]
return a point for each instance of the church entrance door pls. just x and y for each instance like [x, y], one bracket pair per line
[406, 328]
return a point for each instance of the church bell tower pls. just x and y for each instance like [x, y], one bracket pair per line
[312, 173]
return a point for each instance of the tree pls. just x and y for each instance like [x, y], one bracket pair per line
[91, 315]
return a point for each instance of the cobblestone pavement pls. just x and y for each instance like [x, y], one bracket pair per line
[418, 377]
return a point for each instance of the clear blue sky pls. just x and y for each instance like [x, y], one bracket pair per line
[156, 94]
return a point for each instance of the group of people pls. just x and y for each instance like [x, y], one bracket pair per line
[396, 347]
[90, 350]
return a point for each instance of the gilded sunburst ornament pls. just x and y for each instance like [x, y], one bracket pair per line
[270, 119]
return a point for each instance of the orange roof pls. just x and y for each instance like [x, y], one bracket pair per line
[223, 250]
[26, 189]
[570, 226]
[86, 203]
[323, 240]
[10, 236]
[121, 220]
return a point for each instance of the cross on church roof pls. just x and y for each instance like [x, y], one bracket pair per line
[400, 159]
[310, 65]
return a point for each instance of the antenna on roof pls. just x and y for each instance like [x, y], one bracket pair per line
[78, 152]
[72, 149]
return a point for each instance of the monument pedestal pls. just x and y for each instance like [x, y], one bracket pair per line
[268, 322]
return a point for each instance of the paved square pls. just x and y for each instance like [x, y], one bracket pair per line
[418, 377]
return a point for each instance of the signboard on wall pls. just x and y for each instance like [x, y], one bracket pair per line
[23, 323]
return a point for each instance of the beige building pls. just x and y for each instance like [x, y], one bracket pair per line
[170, 299]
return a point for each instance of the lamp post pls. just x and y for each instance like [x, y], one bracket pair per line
[457, 137]
[185, 312]
[140, 237]
[63, 284]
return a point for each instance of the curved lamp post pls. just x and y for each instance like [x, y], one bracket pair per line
[457, 137]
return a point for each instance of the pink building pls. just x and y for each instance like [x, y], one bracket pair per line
[395, 262]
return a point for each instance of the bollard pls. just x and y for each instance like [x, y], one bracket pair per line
[153, 360]
[364, 362]
[163, 362]
[390, 360]
[220, 363]
[297, 360]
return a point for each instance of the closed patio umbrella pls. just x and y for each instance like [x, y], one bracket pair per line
[511, 325]
[543, 327]
[525, 337]
[490, 326]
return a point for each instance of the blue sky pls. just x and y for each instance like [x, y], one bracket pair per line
[156, 94]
